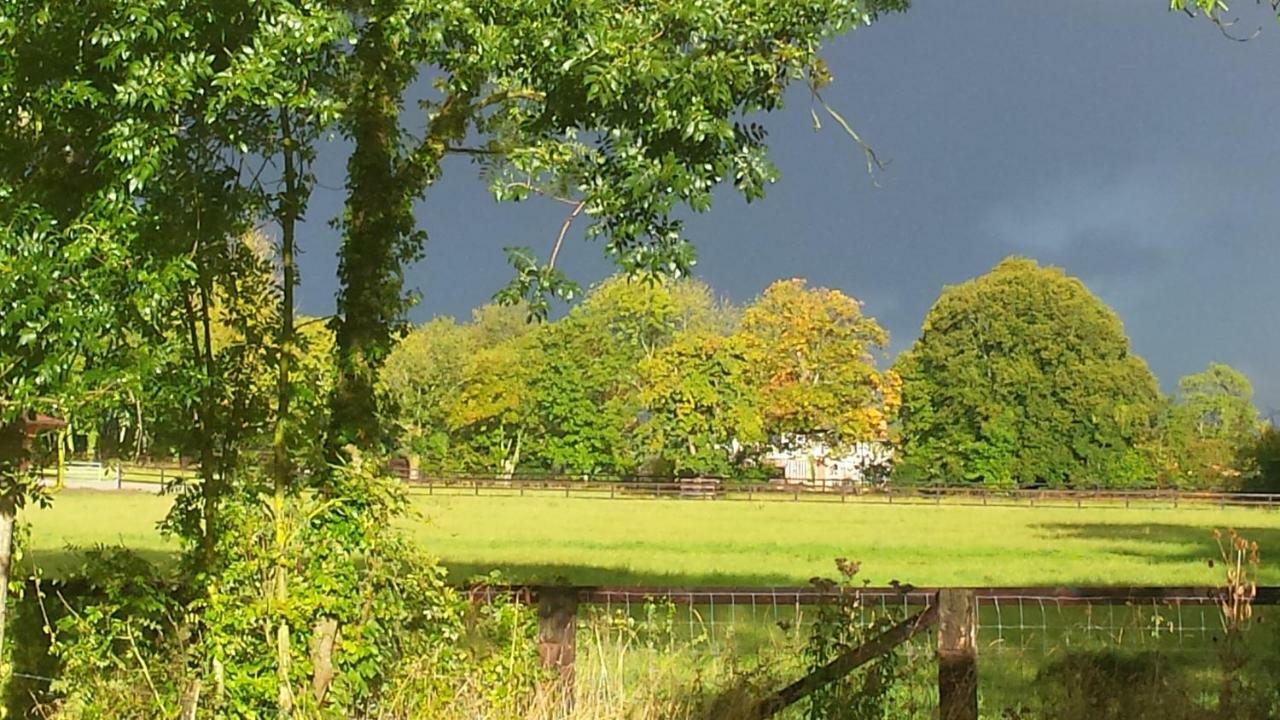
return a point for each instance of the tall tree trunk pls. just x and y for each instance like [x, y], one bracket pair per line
[379, 237]
[211, 482]
[200, 338]
[14, 446]
[8, 518]
[282, 470]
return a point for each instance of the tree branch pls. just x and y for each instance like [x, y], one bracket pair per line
[564, 229]
[471, 151]
[539, 191]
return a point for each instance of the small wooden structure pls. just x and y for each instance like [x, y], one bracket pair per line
[17, 436]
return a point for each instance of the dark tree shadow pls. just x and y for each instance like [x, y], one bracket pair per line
[602, 575]
[1160, 543]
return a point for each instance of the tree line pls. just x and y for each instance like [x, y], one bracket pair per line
[1021, 377]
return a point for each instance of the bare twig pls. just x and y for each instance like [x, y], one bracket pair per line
[460, 150]
[146, 673]
[539, 191]
[564, 229]
[314, 320]
[874, 163]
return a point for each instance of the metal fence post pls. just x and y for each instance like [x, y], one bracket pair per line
[558, 637]
[957, 655]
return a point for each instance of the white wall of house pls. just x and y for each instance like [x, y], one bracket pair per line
[803, 460]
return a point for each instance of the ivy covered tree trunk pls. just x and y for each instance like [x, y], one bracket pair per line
[379, 233]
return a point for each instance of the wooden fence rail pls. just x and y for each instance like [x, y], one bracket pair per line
[726, 490]
[162, 477]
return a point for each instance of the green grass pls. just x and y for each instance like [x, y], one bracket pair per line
[674, 542]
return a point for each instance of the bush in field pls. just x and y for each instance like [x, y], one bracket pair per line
[1022, 376]
[372, 611]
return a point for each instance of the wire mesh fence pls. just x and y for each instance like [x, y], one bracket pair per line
[1025, 636]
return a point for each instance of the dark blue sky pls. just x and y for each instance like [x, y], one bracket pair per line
[1137, 148]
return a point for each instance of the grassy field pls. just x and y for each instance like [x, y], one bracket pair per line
[675, 542]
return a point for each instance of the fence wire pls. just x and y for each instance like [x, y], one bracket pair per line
[1025, 636]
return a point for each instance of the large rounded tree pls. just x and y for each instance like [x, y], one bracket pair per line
[1024, 377]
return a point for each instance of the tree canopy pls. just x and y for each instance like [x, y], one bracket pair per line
[1210, 427]
[1020, 377]
[813, 353]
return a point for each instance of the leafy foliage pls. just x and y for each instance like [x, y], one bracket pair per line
[1022, 377]
[134, 646]
[702, 411]
[811, 352]
[842, 623]
[1209, 427]
[654, 376]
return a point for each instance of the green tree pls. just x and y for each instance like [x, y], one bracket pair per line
[493, 414]
[180, 124]
[1023, 376]
[702, 410]
[1262, 461]
[587, 384]
[1210, 426]
[419, 378]
[73, 287]
[812, 353]
[459, 393]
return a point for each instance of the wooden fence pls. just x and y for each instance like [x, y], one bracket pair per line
[727, 490]
[954, 612]
[161, 477]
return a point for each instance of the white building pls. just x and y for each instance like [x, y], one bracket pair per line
[804, 460]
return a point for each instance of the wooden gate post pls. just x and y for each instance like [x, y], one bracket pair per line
[558, 636]
[957, 655]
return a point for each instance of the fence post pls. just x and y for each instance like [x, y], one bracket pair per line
[957, 655]
[119, 476]
[558, 637]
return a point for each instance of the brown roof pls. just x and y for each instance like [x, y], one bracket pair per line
[36, 424]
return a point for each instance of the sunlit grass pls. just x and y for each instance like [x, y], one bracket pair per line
[689, 542]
